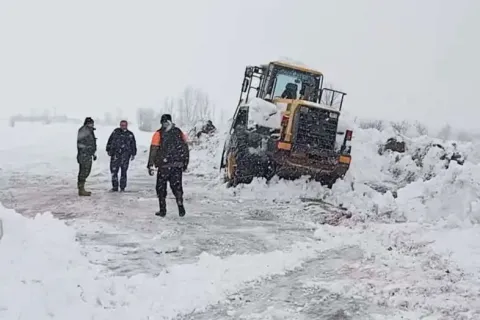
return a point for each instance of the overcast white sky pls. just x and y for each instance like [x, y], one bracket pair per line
[395, 59]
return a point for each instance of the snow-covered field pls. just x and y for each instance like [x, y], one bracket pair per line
[398, 239]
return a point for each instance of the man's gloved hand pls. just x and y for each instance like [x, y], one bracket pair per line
[110, 153]
[94, 157]
[185, 167]
[132, 158]
[151, 171]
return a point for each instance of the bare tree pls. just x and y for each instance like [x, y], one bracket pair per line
[190, 107]
[205, 108]
[168, 106]
[372, 124]
[185, 106]
[146, 119]
[445, 133]
[400, 127]
[193, 106]
[421, 128]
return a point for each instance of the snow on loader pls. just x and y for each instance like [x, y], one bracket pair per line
[286, 124]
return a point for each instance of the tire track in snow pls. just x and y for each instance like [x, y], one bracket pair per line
[360, 277]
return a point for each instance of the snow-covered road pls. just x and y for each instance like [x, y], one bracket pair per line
[257, 252]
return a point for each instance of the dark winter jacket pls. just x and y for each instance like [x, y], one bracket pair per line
[207, 129]
[122, 143]
[169, 148]
[86, 143]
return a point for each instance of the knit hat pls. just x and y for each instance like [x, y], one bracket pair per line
[165, 118]
[88, 120]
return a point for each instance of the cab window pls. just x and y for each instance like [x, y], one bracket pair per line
[294, 84]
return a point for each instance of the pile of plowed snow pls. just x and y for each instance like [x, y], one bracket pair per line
[417, 185]
[206, 154]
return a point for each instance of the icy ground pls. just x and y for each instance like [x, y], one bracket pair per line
[285, 250]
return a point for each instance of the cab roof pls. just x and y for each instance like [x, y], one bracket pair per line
[296, 66]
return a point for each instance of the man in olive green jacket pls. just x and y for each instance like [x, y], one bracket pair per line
[86, 153]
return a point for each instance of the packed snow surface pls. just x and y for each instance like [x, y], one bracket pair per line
[396, 239]
[44, 275]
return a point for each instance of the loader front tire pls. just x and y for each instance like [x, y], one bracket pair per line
[236, 170]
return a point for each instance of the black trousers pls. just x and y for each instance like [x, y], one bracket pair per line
[173, 176]
[119, 163]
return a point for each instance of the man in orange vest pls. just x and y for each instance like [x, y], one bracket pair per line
[170, 154]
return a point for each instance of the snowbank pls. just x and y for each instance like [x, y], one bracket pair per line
[410, 186]
[414, 185]
[206, 154]
[46, 276]
[44, 273]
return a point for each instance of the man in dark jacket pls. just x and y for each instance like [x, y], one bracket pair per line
[86, 153]
[169, 153]
[122, 148]
[208, 128]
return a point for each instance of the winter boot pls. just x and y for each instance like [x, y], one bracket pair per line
[181, 208]
[114, 190]
[81, 190]
[163, 208]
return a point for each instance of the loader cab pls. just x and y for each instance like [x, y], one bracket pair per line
[279, 80]
[292, 82]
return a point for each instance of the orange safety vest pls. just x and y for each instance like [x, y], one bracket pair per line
[157, 138]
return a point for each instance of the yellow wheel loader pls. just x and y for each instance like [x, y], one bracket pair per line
[286, 124]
